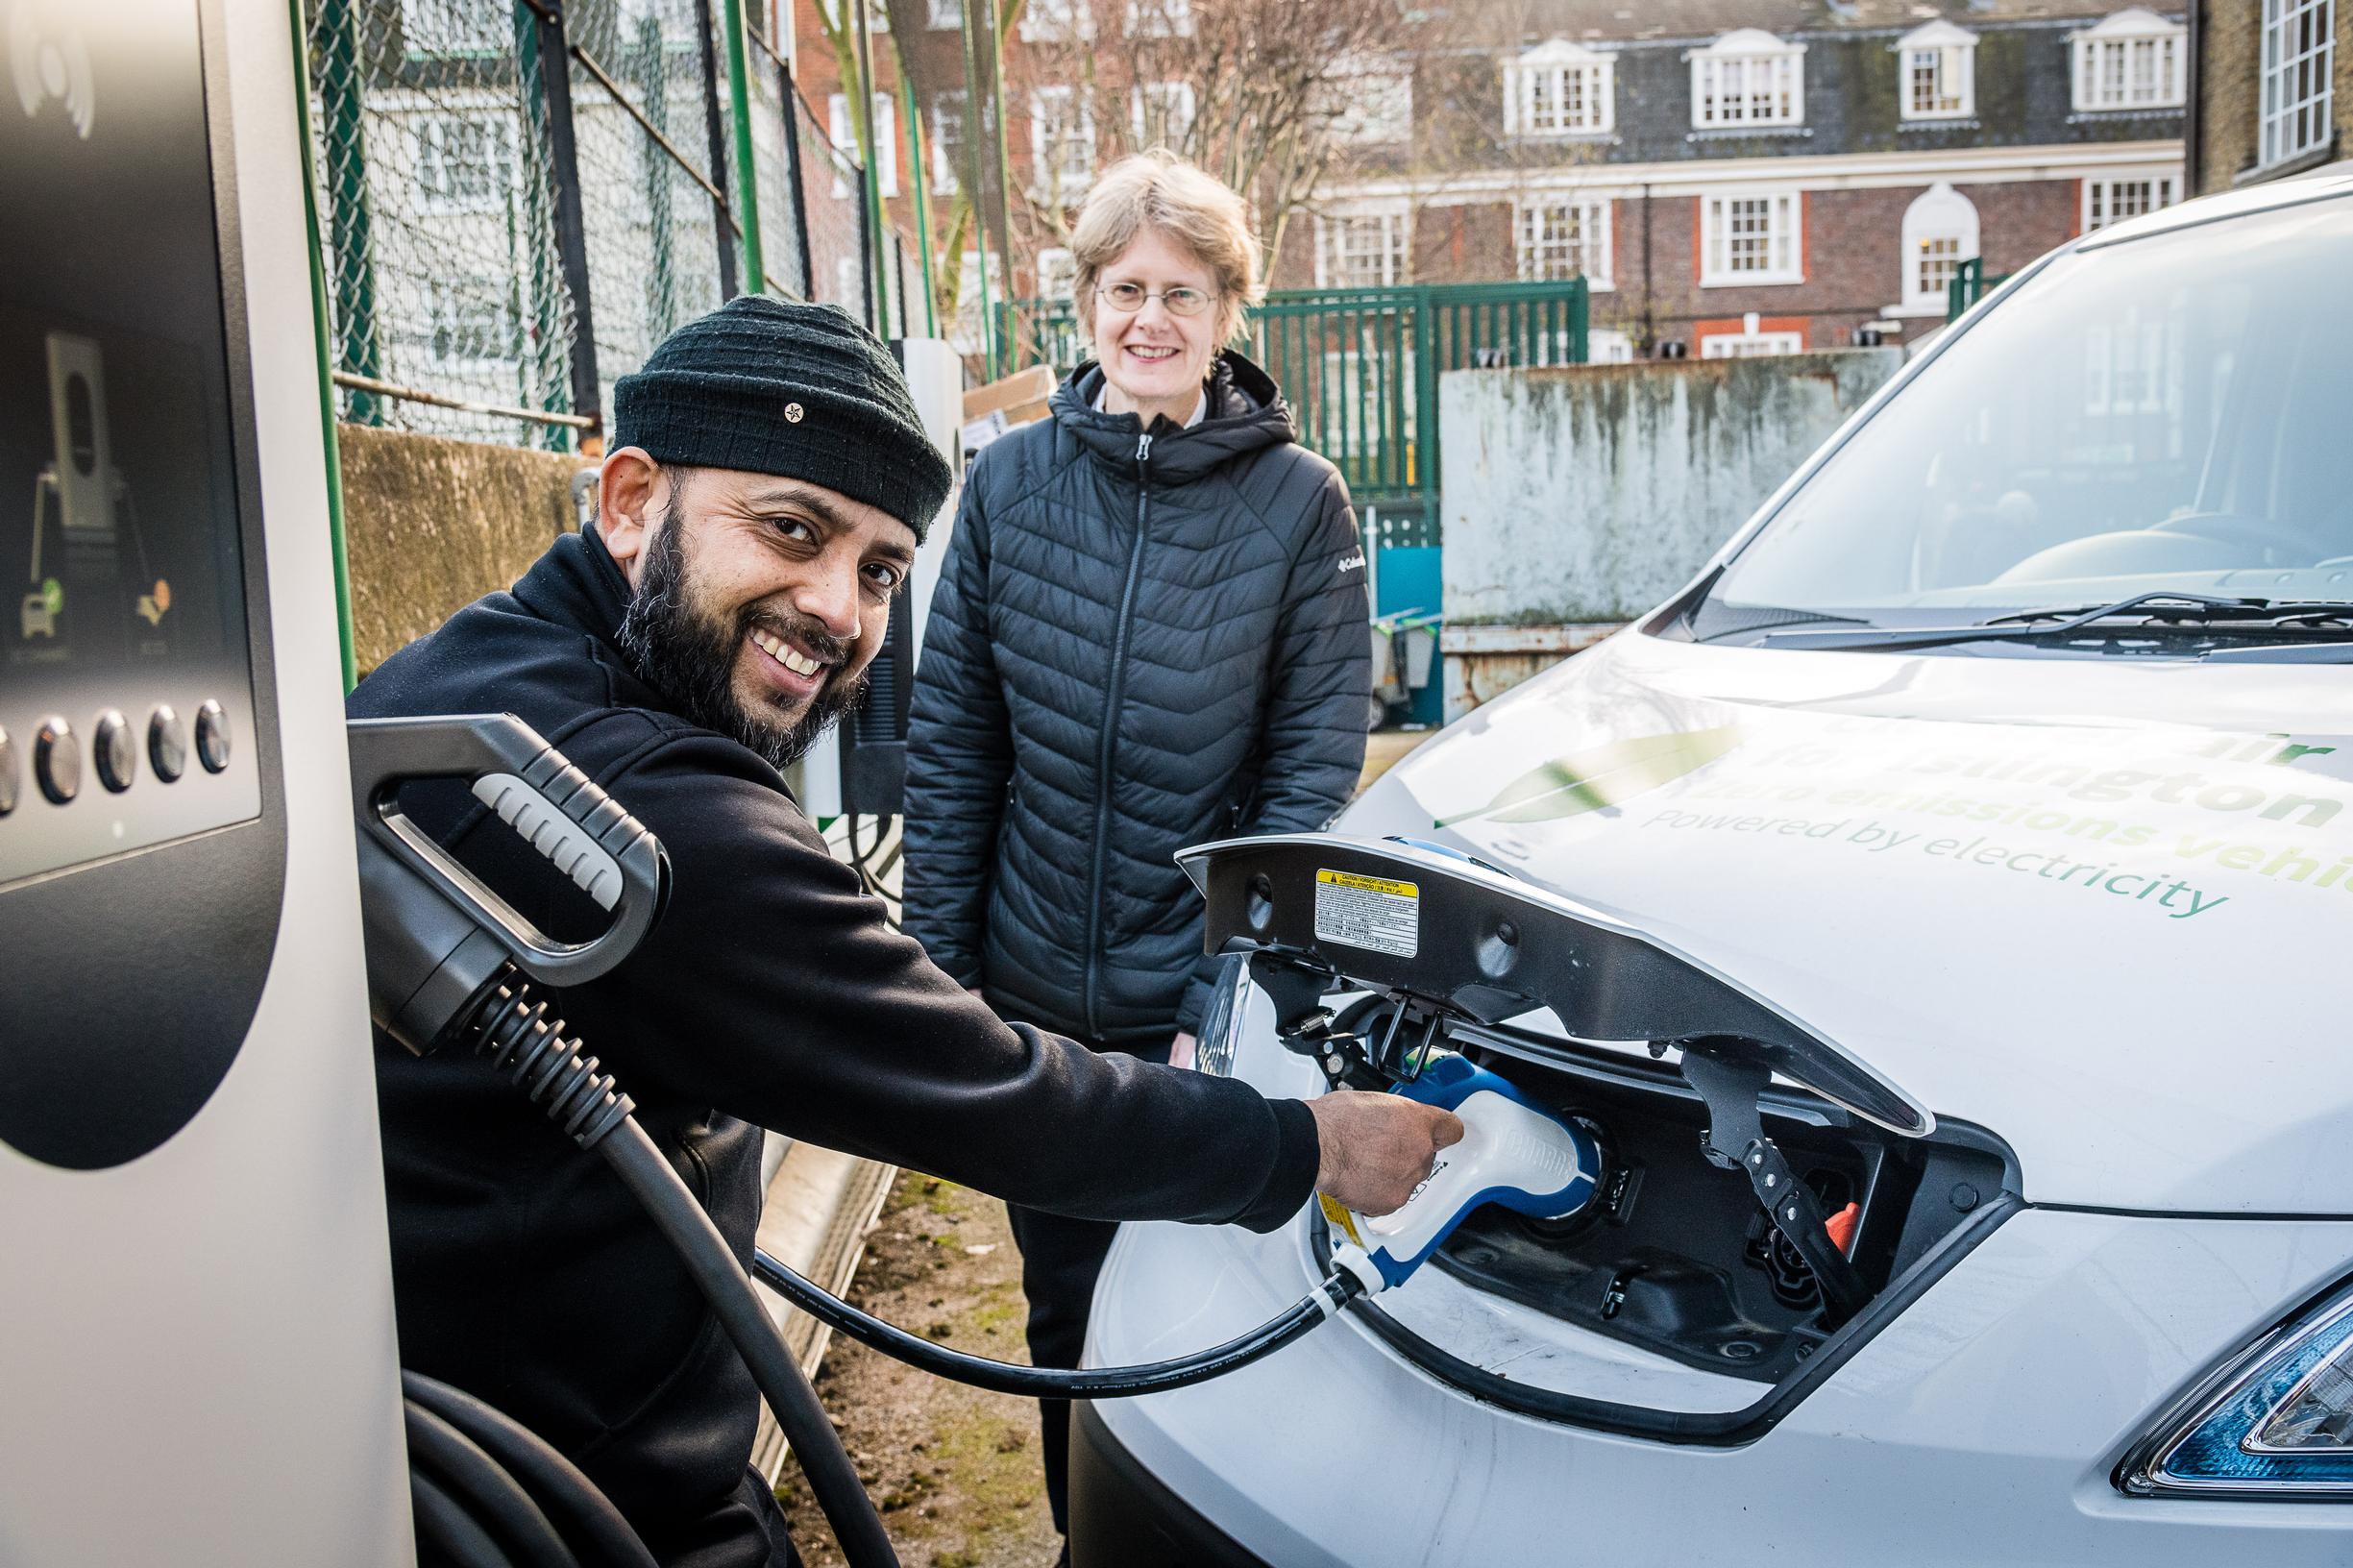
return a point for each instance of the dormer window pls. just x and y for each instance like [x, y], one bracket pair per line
[2135, 61]
[1939, 63]
[1748, 78]
[1560, 89]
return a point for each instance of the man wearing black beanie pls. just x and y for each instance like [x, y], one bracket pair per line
[770, 483]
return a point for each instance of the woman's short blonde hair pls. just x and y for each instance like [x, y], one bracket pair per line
[1159, 190]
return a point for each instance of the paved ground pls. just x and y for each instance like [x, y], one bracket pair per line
[953, 1470]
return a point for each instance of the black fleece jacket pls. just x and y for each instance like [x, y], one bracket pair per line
[770, 994]
[1140, 640]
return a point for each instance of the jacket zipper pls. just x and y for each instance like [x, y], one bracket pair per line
[1109, 743]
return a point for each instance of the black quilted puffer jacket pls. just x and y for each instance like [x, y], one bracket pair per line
[1140, 640]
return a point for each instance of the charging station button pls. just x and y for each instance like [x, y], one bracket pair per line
[117, 754]
[167, 743]
[212, 737]
[56, 762]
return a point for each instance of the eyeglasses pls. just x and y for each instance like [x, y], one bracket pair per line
[1129, 298]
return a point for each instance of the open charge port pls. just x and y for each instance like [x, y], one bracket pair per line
[1675, 1255]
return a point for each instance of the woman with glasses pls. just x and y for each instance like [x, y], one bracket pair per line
[1150, 631]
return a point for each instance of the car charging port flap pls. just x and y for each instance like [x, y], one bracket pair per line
[1732, 1088]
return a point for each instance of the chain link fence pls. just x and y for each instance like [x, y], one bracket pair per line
[833, 195]
[517, 203]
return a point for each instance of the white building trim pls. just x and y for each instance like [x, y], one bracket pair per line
[2132, 62]
[1388, 225]
[1936, 73]
[1746, 78]
[1752, 236]
[1560, 88]
[2111, 197]
[2298, 52]
[1844, 171]
[1537, 240]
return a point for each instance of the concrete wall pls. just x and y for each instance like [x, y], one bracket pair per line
[430, 525]
[1590, 494]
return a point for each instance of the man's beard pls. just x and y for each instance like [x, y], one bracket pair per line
[689, 654]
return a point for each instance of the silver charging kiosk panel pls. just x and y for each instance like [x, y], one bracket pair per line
[198, 1356]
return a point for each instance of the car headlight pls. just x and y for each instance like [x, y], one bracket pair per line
[2276, 1420]
[1221, 1020]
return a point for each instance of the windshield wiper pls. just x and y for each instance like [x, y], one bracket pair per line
[2153, 611]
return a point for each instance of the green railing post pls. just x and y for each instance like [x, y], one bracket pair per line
[877, 218]
[922, 208]
[746, 177]
[350, 220]
[662, 278]
[1424, 480]
[330, 449]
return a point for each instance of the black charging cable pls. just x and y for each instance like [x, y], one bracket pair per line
[1336, 1290]
[511, 1029]
[595, 1530]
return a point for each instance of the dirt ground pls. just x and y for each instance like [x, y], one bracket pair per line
[953, 1470]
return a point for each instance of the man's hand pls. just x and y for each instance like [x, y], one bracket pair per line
[1181, 1050]
[1377, 1148]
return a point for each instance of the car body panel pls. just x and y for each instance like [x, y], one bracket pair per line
[2117, 1057]
[1978, 1426]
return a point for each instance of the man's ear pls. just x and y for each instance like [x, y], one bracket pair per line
[631, 492]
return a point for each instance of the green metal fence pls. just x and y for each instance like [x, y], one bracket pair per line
[1360, 367]
[520, 199]
[1969, 284]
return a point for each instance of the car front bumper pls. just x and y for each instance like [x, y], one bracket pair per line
[1981, 1426]
[1121, 1516]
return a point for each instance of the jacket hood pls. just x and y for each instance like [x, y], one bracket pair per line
[1246, 412]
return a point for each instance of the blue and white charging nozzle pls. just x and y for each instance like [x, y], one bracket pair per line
[1514, 1153]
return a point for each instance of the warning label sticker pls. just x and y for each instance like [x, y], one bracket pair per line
[1368, 912]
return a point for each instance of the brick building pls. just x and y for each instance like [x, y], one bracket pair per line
[1759, 176]
[2271, 89]
[1736, 176]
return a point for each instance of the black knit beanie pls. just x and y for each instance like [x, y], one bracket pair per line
[774, 386]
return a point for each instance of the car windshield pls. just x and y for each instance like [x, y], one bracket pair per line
[2166, 414]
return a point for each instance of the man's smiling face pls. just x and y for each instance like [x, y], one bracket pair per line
[759, 601]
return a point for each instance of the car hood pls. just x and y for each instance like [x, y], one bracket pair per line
[2102, 909]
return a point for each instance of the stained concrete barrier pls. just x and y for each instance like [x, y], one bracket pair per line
[1583, 496]
[431, 525]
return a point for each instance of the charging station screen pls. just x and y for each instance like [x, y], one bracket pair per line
[125, 684]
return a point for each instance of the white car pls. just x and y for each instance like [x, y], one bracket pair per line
[1994, 788]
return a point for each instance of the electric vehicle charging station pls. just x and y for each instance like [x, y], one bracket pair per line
[198, 1347]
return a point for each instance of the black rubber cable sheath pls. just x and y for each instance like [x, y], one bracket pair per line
[832, 1479]
[443, 1523]
[1055, 1383]
[596, 1530]
[481, 1486]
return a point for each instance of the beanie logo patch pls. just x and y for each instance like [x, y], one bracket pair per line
[791, 413]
